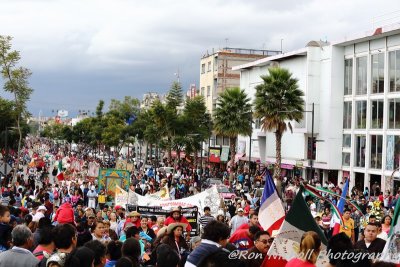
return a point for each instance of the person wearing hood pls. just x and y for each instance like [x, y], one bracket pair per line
[92, 196]
[65, 214]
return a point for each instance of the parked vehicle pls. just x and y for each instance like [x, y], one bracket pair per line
[212, 181]
[225, 192]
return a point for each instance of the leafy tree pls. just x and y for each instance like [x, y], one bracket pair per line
[175, 96]
[233, 116]
[278, 99]
[126, 108]
[16, 83]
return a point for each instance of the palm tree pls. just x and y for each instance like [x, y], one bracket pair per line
[232, 117]
[278, 99]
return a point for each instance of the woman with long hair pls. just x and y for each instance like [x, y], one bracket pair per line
[310, 246]
[386, 223]
[176, 241]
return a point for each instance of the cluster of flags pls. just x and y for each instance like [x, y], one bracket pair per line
[290, 227]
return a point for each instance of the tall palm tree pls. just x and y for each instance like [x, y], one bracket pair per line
[232, 117]
[278, 99]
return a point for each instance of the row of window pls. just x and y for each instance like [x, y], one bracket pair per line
[377, 74]
[376, 114]
[203, 67]
[375, 151]
[208, 91]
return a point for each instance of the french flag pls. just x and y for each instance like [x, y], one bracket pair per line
[340, 206]
[272, 213]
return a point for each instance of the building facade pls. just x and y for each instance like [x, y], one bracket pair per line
[355, 87]
[216, 73]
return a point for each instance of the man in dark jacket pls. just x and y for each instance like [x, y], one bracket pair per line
[254, 257]
[371, 242]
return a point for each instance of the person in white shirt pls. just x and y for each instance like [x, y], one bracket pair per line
[381, 234]
[237, 220]
[39, 213]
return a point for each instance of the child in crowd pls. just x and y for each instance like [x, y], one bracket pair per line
[5, 228]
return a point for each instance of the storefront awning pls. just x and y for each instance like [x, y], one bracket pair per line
[253, 159]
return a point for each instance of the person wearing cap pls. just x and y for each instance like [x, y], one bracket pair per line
[177, 217]
[134, 218]
[237, 220]
[41, 210]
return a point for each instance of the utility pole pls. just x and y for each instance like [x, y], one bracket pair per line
[312, 143]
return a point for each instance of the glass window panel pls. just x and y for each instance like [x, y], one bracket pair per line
[394, 113]
[377, 72]
[348, 76]
[361, 74]
[377, 114]
[361, 114]
[394, 71]
[346, 159]
[396, 152]
[360, 150]
[347, 115]
[376, 151]
[346, 140]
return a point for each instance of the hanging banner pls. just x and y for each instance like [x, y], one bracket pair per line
[215, 154]
[225, 154]
[191, 214]
[390, 153]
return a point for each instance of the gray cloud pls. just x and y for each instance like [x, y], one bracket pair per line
[83, 51]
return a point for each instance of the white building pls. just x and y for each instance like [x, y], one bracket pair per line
[355, 86]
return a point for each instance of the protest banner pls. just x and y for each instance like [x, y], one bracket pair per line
[191, 214]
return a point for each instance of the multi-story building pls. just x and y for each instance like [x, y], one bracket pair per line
[355, 87]
[216, 72]
[148, 100]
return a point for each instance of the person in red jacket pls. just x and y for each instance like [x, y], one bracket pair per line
[65, 214]
[243, 238]
[134, 218]
[177, 217]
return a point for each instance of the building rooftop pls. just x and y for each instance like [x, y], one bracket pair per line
[244, 51]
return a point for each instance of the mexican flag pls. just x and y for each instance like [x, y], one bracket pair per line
[60, 173]
[286, 243]
[391, 252]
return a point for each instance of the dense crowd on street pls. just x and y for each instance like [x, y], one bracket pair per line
[49, 222]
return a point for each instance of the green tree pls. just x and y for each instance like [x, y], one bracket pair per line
[278, 100]
[126, 108]
[16, 83]
[233, 117]
[175, 96]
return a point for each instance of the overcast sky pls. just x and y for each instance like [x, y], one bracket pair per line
[81, 51]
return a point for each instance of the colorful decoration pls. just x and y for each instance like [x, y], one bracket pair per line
[109, 179]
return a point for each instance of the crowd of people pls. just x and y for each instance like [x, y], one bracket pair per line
[47, 222]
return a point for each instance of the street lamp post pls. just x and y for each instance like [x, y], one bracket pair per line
[6, 151]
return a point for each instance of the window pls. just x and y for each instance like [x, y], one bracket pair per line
[394, 113]
[361, 114]
[377, 72]
[215, 63]
[376, 151]
[203, 68]
[209, 66]
[208, 90]
[219, 141]
[202, 91]
[347, 115]
[394, 71]
[348, 76]
[226, 141]
[361, 74]
[347, 140]
[393, 152]
[376, 114]
[360, 150]
[346, 159]
[257, 124]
